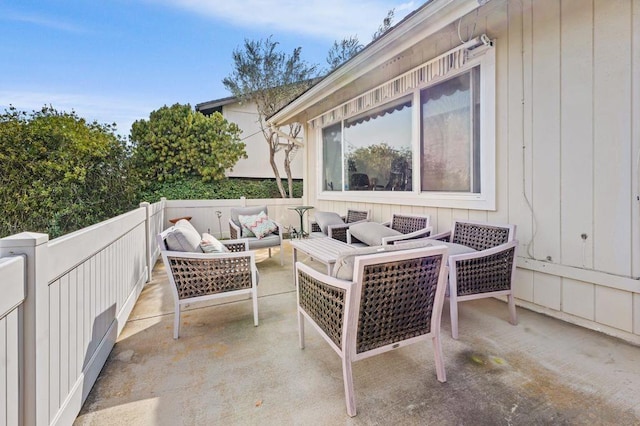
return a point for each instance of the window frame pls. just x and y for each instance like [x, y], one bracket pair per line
[484, 57]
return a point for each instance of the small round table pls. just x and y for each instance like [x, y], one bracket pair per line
[301, 210]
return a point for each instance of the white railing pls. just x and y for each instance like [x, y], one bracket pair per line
[205, 219]
[12, 271]
[65, 301]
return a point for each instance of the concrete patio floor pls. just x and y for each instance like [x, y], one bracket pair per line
[223, 370]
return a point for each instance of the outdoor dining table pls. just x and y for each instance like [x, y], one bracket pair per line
[325, 250]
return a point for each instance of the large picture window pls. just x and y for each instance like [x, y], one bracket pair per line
[370, 152]
[433, 145]
[377, 149]
[450, 154]
[332, 157]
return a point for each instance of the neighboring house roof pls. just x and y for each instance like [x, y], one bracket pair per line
[210, 107]
[419, 24]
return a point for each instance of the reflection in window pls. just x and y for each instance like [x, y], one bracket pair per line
[377, 149]
[450, 145]
[332, 157]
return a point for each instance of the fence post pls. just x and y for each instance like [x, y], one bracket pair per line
[149, 238]
[36, 323]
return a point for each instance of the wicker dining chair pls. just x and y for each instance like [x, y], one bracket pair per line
[339, 231]
[408, 227]
[197, 277]
[395, 299]
[487, 272]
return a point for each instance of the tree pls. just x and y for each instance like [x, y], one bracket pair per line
[177, 142]
[347, 48]
[343, 51]
[60, 173]
[271, 79]
[385, 26]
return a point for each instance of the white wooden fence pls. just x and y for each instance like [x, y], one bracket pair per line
[11, 315]
[64, 302]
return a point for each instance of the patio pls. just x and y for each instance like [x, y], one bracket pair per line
[223, 370]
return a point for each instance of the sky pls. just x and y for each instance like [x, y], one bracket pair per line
[115, 61]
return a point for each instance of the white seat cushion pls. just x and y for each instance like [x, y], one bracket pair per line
[371, 233]
[327, 219]
[343, 268]
[183, 237]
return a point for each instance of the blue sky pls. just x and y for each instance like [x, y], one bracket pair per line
[118, 60]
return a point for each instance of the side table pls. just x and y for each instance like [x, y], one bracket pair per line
[301, 210]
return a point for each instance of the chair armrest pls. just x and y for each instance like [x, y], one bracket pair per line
[483, 271]
[280, 229]
[200, 274]
[234, 230]
[351, 239]
[339, 232]
[421, 233]
[323, 300]
[238, 245]
[443, 236]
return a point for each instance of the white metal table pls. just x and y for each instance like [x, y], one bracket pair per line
[324, 250]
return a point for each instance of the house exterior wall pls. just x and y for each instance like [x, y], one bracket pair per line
[567, 152]
[257, 164]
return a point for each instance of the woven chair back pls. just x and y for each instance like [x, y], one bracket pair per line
[356, 215]
[397, 301]
[480, 236]
[408, 224]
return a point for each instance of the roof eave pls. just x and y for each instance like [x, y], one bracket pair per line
[430, 19]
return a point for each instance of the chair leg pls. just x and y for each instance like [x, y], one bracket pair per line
[453, 311]
[176, 321]
[269, 251]
[347, 377]
[512, 309]
[439, 359]
[281, 256]
[254, 295]
[301, 329]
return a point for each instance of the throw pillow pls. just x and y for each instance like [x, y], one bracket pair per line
[235, 212]
[371, 233]
[326, 219]
[260, 225]
[210, 244]
[183, 237]
[245, 222]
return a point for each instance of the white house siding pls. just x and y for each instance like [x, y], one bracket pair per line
[257, 164]
[567, 137]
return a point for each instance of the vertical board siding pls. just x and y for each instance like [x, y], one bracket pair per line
[546, 128]
[635, 145]
[577, 133]
[497, 24]
[519, 183]
[612, 133]
[83, 305]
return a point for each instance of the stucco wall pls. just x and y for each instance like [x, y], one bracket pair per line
[257, 164]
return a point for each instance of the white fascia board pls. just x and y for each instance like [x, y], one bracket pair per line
[424, 23]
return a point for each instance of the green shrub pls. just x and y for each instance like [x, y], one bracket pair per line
[226, 189]
[60, 173]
